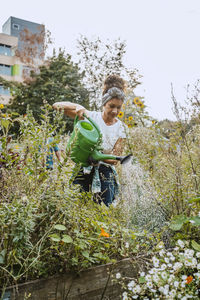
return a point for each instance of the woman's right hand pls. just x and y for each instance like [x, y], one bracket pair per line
[80, 111]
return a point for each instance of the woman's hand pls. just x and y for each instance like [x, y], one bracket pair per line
[111, 161]
[80, 111]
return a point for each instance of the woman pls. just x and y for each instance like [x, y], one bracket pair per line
[102, 179]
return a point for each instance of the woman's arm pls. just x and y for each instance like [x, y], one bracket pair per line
[71, 109]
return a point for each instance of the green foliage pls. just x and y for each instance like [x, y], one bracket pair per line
[59, 79]
[47, 225]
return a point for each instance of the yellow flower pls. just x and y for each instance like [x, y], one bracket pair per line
[120, 114]
[123, 106]
[130, 118]
[136, 100]
[103, 233]
[127, 102]
[4, 115]
[153, 121]
[141, 104]
[1, 106]
[129, 125]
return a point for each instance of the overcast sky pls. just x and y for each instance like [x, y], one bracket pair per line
[162, 38]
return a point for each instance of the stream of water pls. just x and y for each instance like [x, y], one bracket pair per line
[140, 199]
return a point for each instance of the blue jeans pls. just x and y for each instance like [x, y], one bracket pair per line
[107, 184]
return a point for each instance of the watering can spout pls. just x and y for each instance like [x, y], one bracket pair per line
[96, 156]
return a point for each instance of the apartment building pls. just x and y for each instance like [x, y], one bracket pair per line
[17, 57]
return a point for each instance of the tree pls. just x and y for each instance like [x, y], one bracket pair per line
[59, 79]
[100, 59]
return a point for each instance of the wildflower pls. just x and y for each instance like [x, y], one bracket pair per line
[163, 267]
[4, 115]
[120, 114]
[118, 276]
[176, 284]
[164, 275]
[123, 106]
[126, 245]
[189, 279]
[198, 254]
[149, 284]
[136, 100]
[129, 125]
[153, 121]
[1, 106]
[162, 252]
[103, 233]
[142, 274]
[148, 277]
[166, 259]
[127, 102]
[180, 243]
[177, 266]
[141, 104]
[130, 118]
[155, 278]
[189, 253]
[131, 284]
[198, 266]
[155, 261]
[125, 296]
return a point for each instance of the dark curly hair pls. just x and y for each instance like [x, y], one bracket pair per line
[113, 81]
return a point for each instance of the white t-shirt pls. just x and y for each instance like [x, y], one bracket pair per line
[110, 133]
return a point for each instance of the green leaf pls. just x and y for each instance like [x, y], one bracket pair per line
[177, 222]
[60, 227]
[54, 237]
[86, 254]
[67, 239]
[197, 199]
[142, 279]
[195, 221]
[195, 245]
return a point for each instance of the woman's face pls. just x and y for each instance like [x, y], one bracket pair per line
[112, 108]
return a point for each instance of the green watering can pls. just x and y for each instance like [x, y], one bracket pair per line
[84, 145]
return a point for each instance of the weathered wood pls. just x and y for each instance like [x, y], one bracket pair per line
[92, 284]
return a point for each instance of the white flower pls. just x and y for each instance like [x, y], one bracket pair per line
[192, 221]
[171, 278]
[183, 284]
[155, 278]
[155, 261]
[184, 277]
[177, 266]
[181, 243]
[166, 259]
[125, 296]
[131, 284]
[176, 284]
[162, 252]
[126, 245]
[118, 275]
[176, 248]
[148, 277]
[198, 266]
[169, 265]
[135, 297]
[172, 257]
[198, 254]
[138, 288]
[172, 293]
[142, 274]
[149, 284]
[189, 253]
[163, 267]
[164, 275]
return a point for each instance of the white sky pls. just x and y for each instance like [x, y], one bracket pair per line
[162, 38]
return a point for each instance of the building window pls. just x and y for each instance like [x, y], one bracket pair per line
[16, 26]
[5, 70]
[4, 91]
[5, 50]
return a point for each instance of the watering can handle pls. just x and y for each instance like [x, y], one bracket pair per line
[93, 123]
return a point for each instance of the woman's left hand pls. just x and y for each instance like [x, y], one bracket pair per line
[111, 161]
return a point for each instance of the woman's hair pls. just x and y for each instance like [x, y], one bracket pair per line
[114, 87]
[113, 81]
